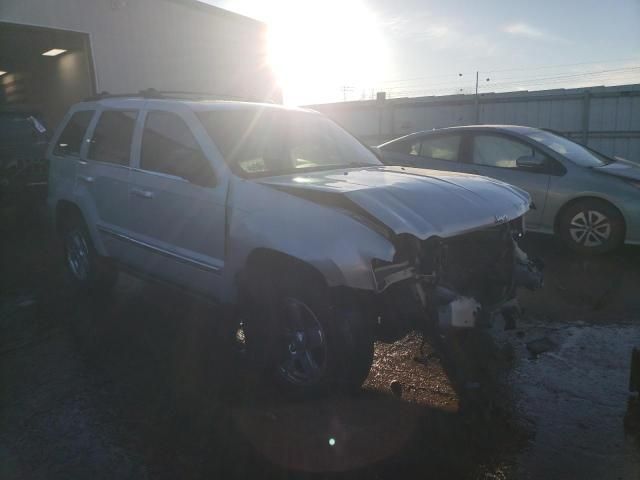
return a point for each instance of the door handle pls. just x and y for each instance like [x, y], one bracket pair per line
[142, 193]
[87, 178]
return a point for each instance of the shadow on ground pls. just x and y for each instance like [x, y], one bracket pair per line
[139, 385]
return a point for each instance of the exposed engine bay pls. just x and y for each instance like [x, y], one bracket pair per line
[457, 282]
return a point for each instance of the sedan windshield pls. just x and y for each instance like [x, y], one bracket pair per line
[573, 151]
[264, 142]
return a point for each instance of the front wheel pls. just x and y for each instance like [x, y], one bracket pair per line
[310, 340]
[591, 226]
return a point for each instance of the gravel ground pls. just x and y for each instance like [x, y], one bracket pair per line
[118, 388]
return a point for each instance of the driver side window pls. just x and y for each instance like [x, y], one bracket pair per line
[498, 151]
[168, 146]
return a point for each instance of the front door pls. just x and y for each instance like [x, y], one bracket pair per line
[495, 155]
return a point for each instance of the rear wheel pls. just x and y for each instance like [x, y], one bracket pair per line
[310, 340]
[591, 226]
[87, 270]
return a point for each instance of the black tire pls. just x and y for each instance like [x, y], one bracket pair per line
[88, 272]
[591, 226]
[335, 337]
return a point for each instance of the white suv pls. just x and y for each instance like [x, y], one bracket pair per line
[317, 248]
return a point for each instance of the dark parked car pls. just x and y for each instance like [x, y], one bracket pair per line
[23, 168]
[590, 200]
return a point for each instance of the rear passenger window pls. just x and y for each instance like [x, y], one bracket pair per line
[168, 146]
[112, 136]
[70, 139]
[406, 147]
[441, 148]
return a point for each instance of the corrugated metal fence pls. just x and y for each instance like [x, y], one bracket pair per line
[605, 118]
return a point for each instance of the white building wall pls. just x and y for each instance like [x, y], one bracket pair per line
[180, 45]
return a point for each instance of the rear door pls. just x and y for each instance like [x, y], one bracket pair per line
[66, 154]
[177, 207]
[495, 155]
[103, 174]
[438, 152]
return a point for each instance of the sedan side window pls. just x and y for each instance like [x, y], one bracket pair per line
[168, 146]
[405, 147]
[497, 151]
[441, 147]
[112, 136]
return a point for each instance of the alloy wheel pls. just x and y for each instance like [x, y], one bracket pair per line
[590, 228]
[303, 349]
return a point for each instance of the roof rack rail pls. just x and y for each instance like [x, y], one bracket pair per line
[174, 94]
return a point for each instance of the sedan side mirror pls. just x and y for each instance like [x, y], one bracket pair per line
[530, 162]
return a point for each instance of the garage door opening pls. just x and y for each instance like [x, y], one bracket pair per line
[45, 70]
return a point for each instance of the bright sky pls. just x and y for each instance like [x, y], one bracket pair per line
[330, 50]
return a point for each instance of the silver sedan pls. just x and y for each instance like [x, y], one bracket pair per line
[588, 199]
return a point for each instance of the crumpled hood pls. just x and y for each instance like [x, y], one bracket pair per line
[416, 201]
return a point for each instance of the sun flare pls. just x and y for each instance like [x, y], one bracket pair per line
[322, 50]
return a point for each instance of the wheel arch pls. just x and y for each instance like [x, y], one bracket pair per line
[67, 211]
[561, 211]
[268, 262]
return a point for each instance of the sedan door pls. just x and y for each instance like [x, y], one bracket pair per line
[437, 152]
[177, 209]
[495, 155]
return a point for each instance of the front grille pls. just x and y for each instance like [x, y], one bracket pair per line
[478, 264]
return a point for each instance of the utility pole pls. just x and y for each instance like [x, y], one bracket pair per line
[478, 98]
[477, 101]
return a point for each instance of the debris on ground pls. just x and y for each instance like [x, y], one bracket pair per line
[423, 359]
[540, 345]
[24, 301]
[396, 388]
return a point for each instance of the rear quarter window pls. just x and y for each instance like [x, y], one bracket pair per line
[70, 139]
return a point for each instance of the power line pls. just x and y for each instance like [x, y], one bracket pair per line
[400, 91]
[604, 62]
[460, 74]
[563, 77]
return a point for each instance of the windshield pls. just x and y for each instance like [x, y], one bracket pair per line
[573, 151]
[265, 142]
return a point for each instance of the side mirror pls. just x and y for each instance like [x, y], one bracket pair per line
[530, 162]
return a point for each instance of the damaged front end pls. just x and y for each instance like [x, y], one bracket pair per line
[455, 282]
